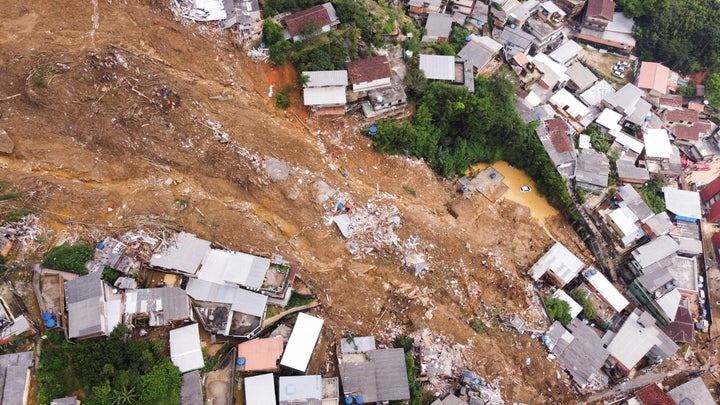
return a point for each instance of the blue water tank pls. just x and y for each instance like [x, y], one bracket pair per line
[468, 38]
[493, 175]
[46, 316]
[348, 399]
[359, 399]
[101, 246]
[373, 130]
[476, 381]
[50, 323]
[262, 45]
[468, 374]
[241, 361]
[341, 207]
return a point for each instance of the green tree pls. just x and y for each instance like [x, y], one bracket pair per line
[279, 51]
[282, 101]
[416, 83]
[272, 32]
[457, 38]
[580, 296]
[651, 193]
[598, 140]
[69, 257]
[558, 310]
[712, 90]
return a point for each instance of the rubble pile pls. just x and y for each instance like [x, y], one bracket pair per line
[476, 391]
[23, 231]
[441, 360]
[259, 54]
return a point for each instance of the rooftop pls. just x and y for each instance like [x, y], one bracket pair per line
[655, 250]
[600, 8]
[324, 78]
[657, 144]
[683, 203]
[592, 168]
[654, 77]
[693, 392]
[191, 390]
[560, 261]
[261, 354]
[479, 51]
[437, 26]
[624, 100]
[161, 305]
[301, 344]
[322, 15]
[607, 290]
[324, 96]
[654, 395]
[565, 101]
[578, 349]
[581, 76]
[609, 119]
[637, 336]
[597, 92]
[185, 254]
[438, 67]
[303, 389]
[185, 350]
[369, 69]
[260, 389]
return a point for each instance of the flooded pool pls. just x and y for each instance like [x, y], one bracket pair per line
[516, 178]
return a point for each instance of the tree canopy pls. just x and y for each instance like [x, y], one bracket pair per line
[558, 310]
[683, 34]
[69, 257]
[453, 129]
[116, 370]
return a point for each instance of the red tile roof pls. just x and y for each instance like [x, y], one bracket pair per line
[557, 129]
[600, 8]
[716, 241]
[690, 133]
[261, 354]
[682, 115]
[654, 395]
[367, 70]
[681, 328]
[318, 14]
[710, 190]
[699, 107]
[714, 214]
[671, 100]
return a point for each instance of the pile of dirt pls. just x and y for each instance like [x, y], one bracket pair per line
[126, 118]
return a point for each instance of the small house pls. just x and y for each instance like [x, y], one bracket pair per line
[15, 381]
[711, 193]
[606, 290]
[160, 306]
[205, 11]
[580, 352]
[571, 7]
[421, 8]
[309, 22]
[684, 204]
[92, 311]
[185, 349]
[372, 375]
[598, 14]
[624, 100]
[437, 28]
[191, 389]
[638, 337]
[581, 78]
[692, 392]
[479, 52]
[244, 17]
[653, 395]
[555, 136]
[301, 345]
[653, 77]
[260, 389]
[324, 91]
[370, 73]
[571, 108]
[260, 354]
[182, 255]
[300, 390]
[559, 263]
[592, 171]
[514, 40]
[566, 53]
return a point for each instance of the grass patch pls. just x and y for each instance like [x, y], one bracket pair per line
[9, 196]
[271, 311]
[410, 190]
[17, 215]
[71, 258]
[478, 326]
[211, 362]
[298, 300]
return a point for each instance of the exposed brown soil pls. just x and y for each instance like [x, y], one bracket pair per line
[99, 147]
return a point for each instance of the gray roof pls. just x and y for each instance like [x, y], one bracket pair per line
[693, 392]
[515, 41]
[595, 94]
[83, 288]
[638, 335]
[303, 389]
[437, 26]
[85, 318]
[13, 377]
[654, 251]
[358, 344]
[581, 352]
[581, 76]
[64, 401]
[163, 305]
[683, 203]
[260, 389]
[659, 224]
[559, 260]
[639, 113]
[657, 278]
[624, 100]
[359, 379]
[627, 170]
[450, 400]
[479, 51]
[390, 374]
[324, 78]
[243, 301]
[185, 254]
[632, 199]
[593, 168]
[438, 67]
[324, 96]
[236, 268]
[566, 52]
[191, 390]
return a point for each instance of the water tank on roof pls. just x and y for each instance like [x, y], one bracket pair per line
[50, 323]
[101, 246]
[468, 374]
[373, 130]
[359, 399]
[348, 399]
[590, 273]
[468, 38]
[675, 283]
[46, 316]
[240, 361]
[493, 175]
[668, 286]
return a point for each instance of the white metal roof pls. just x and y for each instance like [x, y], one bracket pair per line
[633, 341]
[302, 342]
[607, 291]
[566, 101]
[625, 223]
[241, 300]
[185, 350]
[206, 10]
[561, 261]
[260, 389]
[609, 119]
[575, 308]
[185, 254]
[323, 78]
[324, 96]
[234, 267]
[584, 141]
[595, 94]
[669, 303]
[657, 144]
[683, 203]
[566, 51]
[655, 250]
[626, 140]
[438, 67]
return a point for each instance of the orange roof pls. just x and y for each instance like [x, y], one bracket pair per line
[521, 59]
[261, 354]
[654, 76]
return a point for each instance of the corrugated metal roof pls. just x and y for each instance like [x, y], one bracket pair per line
[438, 67]
[566, 52]
[357, 344]
[234, 267]
[561, 261]
[83, 288]
[241, 300]
[191, 389]
[185, 350]
[390, 374]
[260, 389]
[683, 203]
[161, 304]
[324, 96]
[324, 78]
[302, 342]
[85, 318]
[184, 255]
[655, 250]
[359, 379]
[248, 302]
[608, 291]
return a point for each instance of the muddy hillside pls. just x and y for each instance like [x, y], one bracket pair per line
[122, 117]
